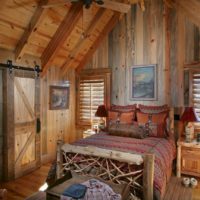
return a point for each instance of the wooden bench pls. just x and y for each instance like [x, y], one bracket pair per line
[55, 191]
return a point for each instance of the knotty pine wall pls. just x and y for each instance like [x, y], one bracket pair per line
[56, 124]
[149, 37]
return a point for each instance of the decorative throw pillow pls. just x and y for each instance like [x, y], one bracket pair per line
[156, 123]
[127, 117]
[113, 115]
[125, 130]
[153, 109]
[158, 118]
[113, 118]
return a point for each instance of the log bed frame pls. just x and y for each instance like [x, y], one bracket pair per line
[101, 159]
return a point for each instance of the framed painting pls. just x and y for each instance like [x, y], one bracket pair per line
[143, 82]
[59, 97]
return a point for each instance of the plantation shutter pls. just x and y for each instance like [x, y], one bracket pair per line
[91, 95]
[196, 91]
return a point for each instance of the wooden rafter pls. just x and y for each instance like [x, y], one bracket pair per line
[109, 26]
[122, 7]
[191, 9]
[61, 35]
[31, 29]
[116, 6]
[82, 41]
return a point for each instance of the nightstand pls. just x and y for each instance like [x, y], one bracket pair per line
[188, 158]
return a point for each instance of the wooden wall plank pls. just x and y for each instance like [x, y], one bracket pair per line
[180, 57]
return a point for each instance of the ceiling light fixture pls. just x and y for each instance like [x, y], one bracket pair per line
[88, 3]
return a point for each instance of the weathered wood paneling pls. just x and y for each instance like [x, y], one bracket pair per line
[138, 39]
[192, 45]
[150, 37]
[1, 128]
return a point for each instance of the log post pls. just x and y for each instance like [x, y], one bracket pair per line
[59, 159]
[148, 176]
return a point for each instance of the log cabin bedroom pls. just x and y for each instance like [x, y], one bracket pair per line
[100, 99]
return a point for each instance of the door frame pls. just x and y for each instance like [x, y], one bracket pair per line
[9, 126]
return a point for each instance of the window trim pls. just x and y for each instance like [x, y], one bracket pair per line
[103, 73]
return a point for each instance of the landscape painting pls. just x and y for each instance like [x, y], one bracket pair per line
[59, 97]
[143, 82]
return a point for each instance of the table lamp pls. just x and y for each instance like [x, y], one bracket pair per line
[101, 112]
[188, 116]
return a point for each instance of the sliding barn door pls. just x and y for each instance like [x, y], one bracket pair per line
[27, 141]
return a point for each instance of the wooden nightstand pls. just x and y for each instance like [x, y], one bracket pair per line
[188, 158]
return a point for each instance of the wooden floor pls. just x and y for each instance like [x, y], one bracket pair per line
[27, 185]
[176, 191]
[23, 187]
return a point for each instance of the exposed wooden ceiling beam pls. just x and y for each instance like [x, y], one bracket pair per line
[191, 9]
[112, 5]
[61, 35]
[38, 16]
[116, 6]
[81, 40]
[109, 26]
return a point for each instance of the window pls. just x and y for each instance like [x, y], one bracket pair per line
[93, 90]
[195, 90]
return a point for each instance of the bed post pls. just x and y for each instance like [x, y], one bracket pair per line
[59, 159]
[148, 175]
[171, 117]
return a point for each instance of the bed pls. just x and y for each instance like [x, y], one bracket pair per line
[149, 158]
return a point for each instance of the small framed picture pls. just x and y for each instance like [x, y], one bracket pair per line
[143, 82]
[59, 97]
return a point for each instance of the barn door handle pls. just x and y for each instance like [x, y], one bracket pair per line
[38, 125]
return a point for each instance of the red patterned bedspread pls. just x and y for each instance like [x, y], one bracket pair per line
[164, 150]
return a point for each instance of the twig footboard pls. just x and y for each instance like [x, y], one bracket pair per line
[115, 166]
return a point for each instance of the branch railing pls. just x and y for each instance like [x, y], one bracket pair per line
[118, 167]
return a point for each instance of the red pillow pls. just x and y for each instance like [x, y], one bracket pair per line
[157, 118]
[127, 117]
[113, 115]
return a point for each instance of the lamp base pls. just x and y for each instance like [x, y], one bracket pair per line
[101, 124]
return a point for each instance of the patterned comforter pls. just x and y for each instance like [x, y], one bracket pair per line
[164, 150]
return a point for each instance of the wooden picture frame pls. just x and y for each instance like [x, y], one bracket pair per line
[59, 97]
[143, 82]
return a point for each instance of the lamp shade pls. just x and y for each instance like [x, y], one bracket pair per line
[189, 115]
[101, 111]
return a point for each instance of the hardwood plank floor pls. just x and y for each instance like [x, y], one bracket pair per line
[26, 186]
[176, 191]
